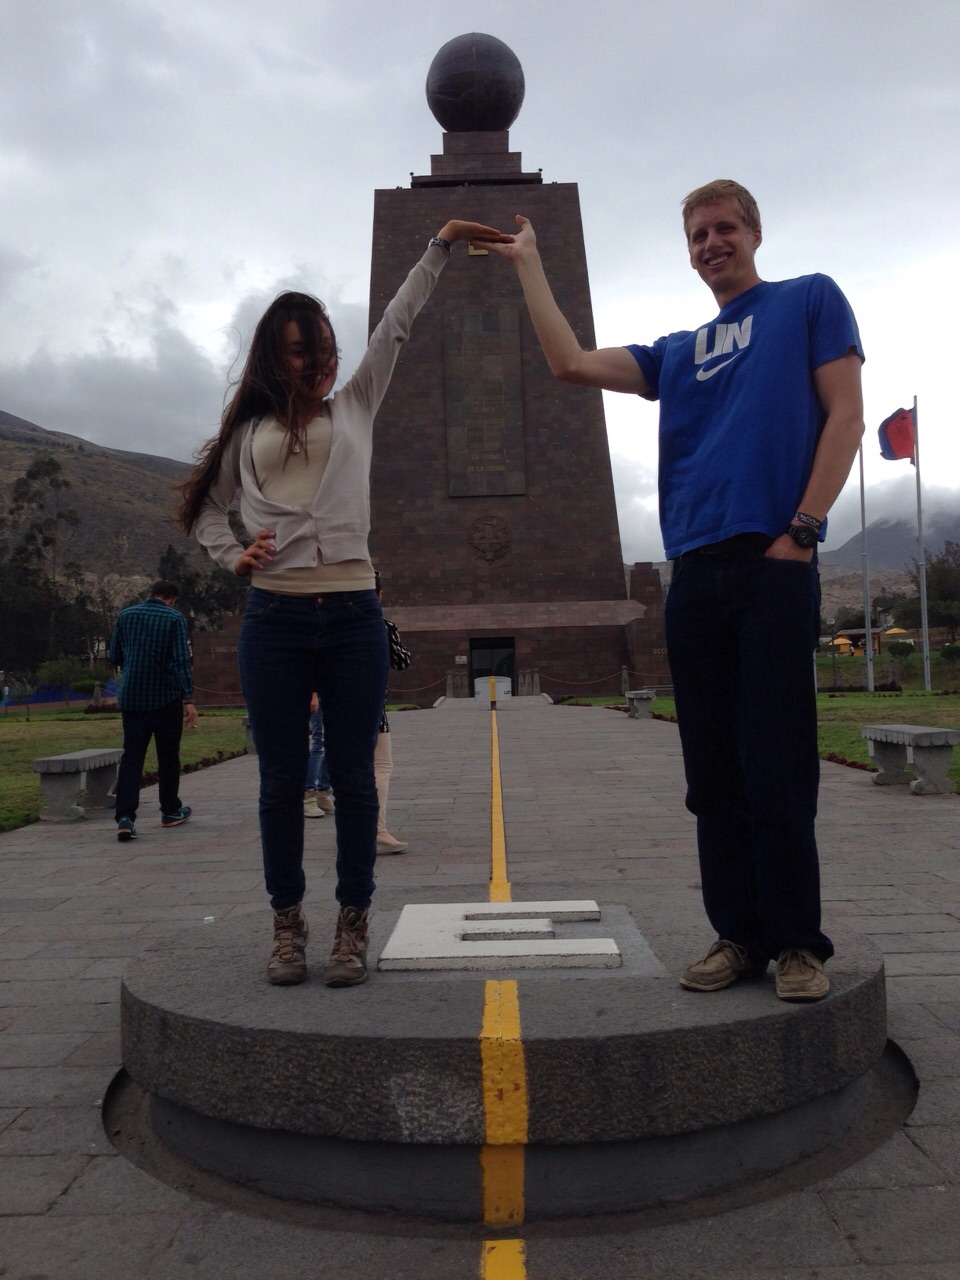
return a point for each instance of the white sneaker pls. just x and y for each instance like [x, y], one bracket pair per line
[310, 807]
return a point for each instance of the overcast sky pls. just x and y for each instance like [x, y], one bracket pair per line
[167, 165]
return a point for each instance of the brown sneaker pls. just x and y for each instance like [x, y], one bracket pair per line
[347, 966]
[800, 976]
[288, 963]
[723, 964]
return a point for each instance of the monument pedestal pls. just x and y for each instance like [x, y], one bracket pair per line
[639, 1093]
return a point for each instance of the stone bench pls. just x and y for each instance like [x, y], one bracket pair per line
[63, 779]
[639, 702]
[929, 750]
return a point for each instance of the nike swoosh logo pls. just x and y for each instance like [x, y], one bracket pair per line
[704, 374]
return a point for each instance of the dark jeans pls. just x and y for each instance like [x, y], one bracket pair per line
[289, 647]
[741, 632]
[165, 726]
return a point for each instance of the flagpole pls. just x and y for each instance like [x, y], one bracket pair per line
[868, 631]
[921, 563]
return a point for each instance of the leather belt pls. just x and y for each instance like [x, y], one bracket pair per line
[739, 546]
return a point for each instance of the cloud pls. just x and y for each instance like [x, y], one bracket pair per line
[181, 161]
[157, 391]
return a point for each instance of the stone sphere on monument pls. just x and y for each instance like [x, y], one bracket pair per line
[475, 84]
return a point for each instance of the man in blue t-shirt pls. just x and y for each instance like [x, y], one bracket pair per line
[761, 416]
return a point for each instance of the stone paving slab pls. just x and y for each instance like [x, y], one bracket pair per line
[593, 807]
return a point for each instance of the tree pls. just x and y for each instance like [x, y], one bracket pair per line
[943, 591]
[205, 598]
[40, 493]
[62, 671]
[900, 649]
[44, 608]
[849, 618]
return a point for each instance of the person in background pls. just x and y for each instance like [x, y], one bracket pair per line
[317, 795]
[149, 644]
[383, 754]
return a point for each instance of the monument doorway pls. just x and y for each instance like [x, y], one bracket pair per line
[493, 656]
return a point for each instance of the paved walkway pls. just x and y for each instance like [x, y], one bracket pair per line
[593, 806]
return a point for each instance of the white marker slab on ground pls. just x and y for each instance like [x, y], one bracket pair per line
[495, 935]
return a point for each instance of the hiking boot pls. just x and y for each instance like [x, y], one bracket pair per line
[126, 830]
[175, 819]
[310, 807]
[386, 843]
[288, 962]
[723, 964]
[325, 801]
[347, 966]
[800, 976]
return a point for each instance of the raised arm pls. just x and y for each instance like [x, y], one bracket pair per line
[612, 368]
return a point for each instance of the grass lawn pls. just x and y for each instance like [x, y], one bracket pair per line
[53, 732]
[839, 717]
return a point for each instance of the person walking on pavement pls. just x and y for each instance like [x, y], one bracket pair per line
[149, 645]
[761, 416]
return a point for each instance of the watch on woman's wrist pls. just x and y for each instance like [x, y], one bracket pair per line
[440, 243]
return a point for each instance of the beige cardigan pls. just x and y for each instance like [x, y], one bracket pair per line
[337, 525]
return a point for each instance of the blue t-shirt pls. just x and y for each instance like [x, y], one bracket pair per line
[739, 413]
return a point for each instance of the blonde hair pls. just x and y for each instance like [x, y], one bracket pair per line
[723, 189]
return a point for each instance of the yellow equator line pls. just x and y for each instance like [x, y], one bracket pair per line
[503, 1070]
[499, 884]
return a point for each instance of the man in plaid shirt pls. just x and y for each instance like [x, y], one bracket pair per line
[149, 644]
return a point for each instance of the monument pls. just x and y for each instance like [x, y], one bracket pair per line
[494, 522]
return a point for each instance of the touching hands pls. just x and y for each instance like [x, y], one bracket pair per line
[257, 555]
[457, 229]
[514, 247]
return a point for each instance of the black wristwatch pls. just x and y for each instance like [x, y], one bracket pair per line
[803, 535]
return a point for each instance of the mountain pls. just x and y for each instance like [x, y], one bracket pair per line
[125, 501]
[892, 544]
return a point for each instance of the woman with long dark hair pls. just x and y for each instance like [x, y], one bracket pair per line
[299, 456]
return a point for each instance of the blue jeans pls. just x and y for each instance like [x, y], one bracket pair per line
[740, 638]
[291, 646]
[318, 779]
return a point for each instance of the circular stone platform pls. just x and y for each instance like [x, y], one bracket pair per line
[639, 1093]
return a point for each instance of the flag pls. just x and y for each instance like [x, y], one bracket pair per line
[898, 436]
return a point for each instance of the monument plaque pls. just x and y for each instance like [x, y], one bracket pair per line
[484, 403]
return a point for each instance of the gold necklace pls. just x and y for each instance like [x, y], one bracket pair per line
[295, 447]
